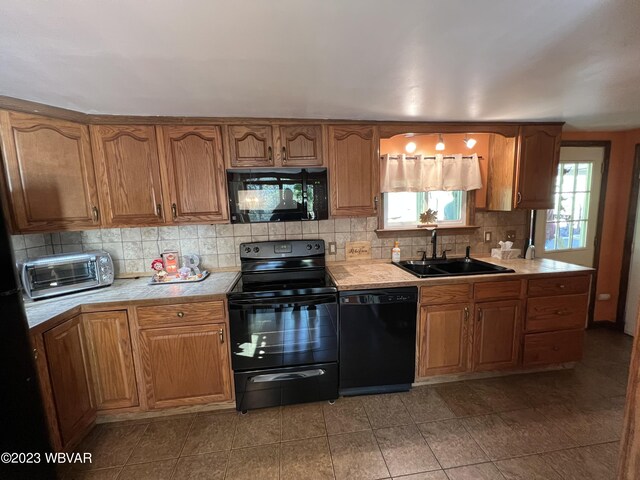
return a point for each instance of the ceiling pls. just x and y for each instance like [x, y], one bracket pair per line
[435, 60]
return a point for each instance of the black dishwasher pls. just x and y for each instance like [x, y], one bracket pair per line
[377, 340]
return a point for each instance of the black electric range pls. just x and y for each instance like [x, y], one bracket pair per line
[283, 324]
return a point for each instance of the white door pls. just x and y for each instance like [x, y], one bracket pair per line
[567, 233]
[633, 289]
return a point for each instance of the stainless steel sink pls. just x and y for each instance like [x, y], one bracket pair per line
[450, 267]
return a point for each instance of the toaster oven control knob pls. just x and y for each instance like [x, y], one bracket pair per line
[247, 249]
[256, 249]
[103, 260]
[309, 247]
[317, 246]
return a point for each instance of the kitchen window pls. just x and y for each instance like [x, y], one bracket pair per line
[403, 209]
[567, 224]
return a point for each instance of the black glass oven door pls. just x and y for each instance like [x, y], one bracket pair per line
[283, 332]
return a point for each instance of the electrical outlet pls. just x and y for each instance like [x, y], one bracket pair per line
[487, 237]
[332, 248]
[511, 235]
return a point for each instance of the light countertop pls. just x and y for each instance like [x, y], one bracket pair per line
[358, 275]
[124, 291]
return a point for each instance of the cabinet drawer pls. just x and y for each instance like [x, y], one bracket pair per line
[553, 347]
[181, 314]
[497, 290]
[440, 294]
[556, 313]
[559, 286]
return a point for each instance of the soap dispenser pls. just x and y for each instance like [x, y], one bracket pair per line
[395, 252]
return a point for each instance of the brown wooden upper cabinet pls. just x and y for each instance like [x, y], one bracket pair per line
[275, 145]
[251, 146]
[301, 145]
[537, 166]
[522, 170]
[193, 164]
[354, 170]
[49, 173]
[128, 174]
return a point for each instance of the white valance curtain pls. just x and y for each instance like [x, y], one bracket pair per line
[400, 173]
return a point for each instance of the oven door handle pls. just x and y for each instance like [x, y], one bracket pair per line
[298, 301]
[281, 377]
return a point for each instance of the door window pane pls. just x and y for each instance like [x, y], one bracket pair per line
[567, 223]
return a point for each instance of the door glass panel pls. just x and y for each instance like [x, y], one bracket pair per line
[567, 224]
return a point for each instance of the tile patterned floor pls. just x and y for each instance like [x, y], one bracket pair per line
[554, 425]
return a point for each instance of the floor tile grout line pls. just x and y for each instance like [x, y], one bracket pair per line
[146, 427]
[233, 439]
[375, 438]
[281, 412]
[184, 442]
[333, 468]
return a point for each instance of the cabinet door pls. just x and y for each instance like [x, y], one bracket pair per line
[501, 172]
[193, 162]
[354, 167]
[497, 335]
[537, 166]
[443, 339]
[251, 146]
[185, 365]
[301, 145]
[128, 174]
[49, 171]
[109, 350]
[70, 379]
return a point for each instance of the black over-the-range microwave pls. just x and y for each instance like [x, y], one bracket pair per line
[278, 194]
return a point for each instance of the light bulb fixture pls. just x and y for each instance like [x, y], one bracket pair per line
[440, 144]
[410, 147]
[469, 142]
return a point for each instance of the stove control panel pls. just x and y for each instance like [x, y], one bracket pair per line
[281, 249]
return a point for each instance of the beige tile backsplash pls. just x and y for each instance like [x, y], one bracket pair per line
[133, 249]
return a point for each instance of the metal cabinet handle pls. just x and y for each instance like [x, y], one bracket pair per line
[270, 153]
[562, 285]
[35, 353]
[221, 334]
[518, 198]
[480, 314]
[180, 314]
[284, 155]
[159, 210]
[375, 203]
[466, 313]
[174, 211]
[561, 312]
[96, 213]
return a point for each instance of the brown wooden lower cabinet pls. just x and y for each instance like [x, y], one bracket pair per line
[497, 335]
[185, 365]
[553, 347]
[71, 382]
[111, 359]
[443, 343]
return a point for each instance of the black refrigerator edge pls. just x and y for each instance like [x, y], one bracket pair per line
[23, 428]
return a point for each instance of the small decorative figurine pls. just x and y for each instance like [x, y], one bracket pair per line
[428, 218]
[158, 267]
